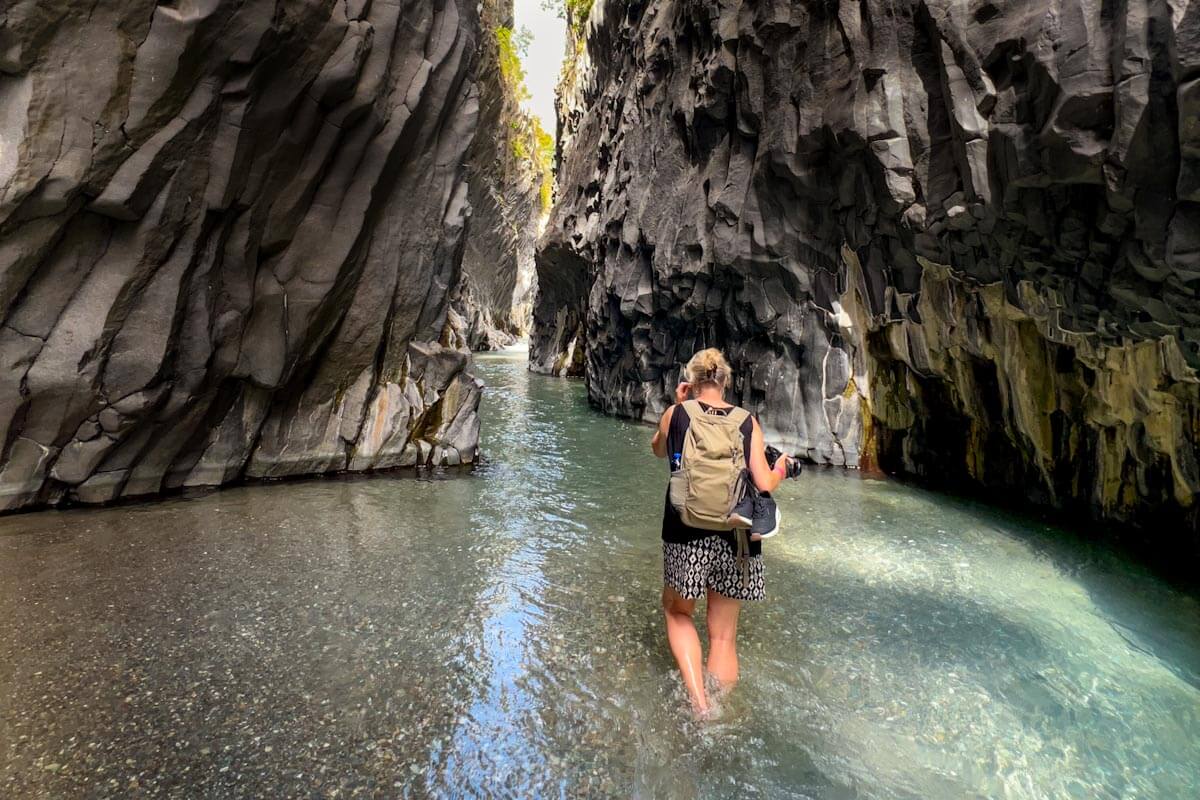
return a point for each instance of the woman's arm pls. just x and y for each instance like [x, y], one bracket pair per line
[659, 443]
[765, 478]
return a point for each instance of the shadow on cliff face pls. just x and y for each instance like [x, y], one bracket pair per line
[558, 343]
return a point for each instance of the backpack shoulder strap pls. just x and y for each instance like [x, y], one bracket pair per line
[693, 408]
[738, 415]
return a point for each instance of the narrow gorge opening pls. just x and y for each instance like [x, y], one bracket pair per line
[951, 251]
[510, 172]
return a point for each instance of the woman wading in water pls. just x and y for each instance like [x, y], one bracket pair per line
[699, 562]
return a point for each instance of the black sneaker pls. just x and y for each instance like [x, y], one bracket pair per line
[765, 522]
[742, 515]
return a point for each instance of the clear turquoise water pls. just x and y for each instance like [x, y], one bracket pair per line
[498, 635]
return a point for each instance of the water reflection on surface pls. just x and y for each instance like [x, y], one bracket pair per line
[499, 635]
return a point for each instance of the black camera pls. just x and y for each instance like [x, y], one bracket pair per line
[793, 467]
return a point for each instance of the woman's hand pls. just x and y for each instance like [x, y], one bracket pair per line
[781, 465]
[682, 391]
[765, 478]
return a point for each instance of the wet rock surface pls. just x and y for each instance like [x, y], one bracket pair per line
[961, 240]
[229, 234]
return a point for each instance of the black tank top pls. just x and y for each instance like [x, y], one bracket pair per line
[673, 529]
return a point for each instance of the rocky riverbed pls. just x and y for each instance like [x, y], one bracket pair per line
[499, 635]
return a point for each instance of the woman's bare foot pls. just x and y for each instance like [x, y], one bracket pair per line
[713, 710]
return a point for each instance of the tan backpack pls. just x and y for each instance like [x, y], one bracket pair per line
[710, 479]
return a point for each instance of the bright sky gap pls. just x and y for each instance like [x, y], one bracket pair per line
[544, 60]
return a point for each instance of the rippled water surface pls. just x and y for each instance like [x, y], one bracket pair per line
[499, 635]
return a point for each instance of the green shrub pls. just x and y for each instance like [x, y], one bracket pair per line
[529, 141]
[580, 9]
[543, 161]
[511, 70]
[576, 11]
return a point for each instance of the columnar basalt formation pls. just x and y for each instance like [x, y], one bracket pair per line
[506, 173]
[228, 235]
[958, 238]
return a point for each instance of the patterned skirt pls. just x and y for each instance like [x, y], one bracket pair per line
[712, 563]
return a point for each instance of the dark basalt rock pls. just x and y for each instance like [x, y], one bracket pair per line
[961, 239]
[557, 344]
[228, 234]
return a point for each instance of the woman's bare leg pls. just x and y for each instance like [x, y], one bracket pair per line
[685, 645]
[722, 615]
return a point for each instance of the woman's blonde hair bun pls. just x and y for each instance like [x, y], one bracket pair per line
[708, 366]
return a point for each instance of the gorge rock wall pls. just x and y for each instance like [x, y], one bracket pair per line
[506, 177]
[957, 239]
[228, 236]
[564, 262]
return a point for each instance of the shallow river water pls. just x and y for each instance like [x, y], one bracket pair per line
[498, 635]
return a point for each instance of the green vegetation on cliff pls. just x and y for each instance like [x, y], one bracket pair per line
[544, 161]
[574, 11]
[511, 44]
[530, 144]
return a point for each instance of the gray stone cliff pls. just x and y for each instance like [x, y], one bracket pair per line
[506, 176]
[959, 240]
[228, 236]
